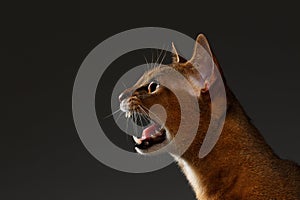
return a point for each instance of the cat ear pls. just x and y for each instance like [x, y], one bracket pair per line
[203, 62]
[176, 58]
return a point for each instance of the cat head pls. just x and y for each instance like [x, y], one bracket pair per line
[189, 79]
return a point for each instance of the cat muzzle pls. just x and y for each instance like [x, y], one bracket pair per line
[153, 134]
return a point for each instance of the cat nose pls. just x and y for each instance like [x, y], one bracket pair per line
[124, 95]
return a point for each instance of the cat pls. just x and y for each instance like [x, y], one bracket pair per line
[241, 165]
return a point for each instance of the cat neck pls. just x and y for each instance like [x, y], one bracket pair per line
[237, 147]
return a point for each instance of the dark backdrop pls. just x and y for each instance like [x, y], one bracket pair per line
[43, 45]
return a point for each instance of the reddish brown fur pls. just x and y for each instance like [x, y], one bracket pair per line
[241, 165]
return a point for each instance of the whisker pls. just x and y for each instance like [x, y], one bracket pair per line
[157, 60]
[134, 124]
[143, 110]
[163, 58]
[156, 117]
[141, 122]
[119, 116]
[126, 126]
[152, 60]
[124, 85]
[128, 136]
[115, 112]
[144, 116]
[148, 66]
[130, 122]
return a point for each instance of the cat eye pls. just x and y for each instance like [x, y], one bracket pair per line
[152, 87]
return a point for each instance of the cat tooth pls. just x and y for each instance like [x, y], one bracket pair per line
[138, 141]
[128, 114]
[158, 134]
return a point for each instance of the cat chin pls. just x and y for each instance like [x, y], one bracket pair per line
[153, 150]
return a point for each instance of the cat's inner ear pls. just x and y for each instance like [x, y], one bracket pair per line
[176, 58]
[202, 60]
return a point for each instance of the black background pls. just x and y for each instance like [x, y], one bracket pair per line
[43, 45]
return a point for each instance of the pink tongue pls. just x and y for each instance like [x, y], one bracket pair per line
[147, 132]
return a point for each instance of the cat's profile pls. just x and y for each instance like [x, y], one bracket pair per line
[240, 166]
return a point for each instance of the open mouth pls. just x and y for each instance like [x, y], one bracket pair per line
[153, 134]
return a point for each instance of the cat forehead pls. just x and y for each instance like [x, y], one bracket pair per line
[182, 68]
[159, 71]
[154, 74]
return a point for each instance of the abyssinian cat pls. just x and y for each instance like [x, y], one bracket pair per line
[240, 166]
